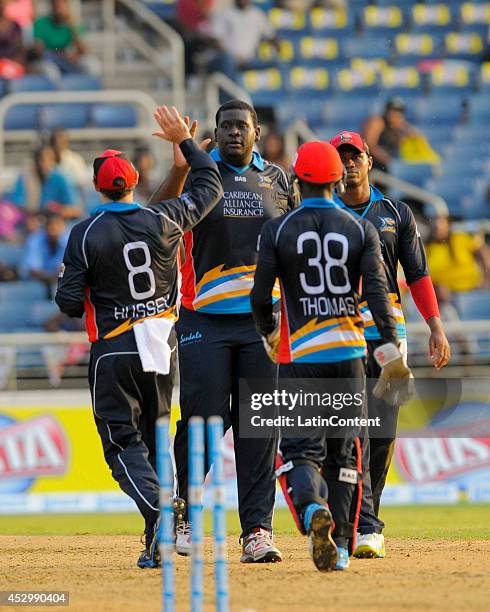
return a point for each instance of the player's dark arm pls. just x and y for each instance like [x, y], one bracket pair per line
[70, 294]
[375, 285]
[171, 186]
[411, 254]
[265, 277]
[205, 192]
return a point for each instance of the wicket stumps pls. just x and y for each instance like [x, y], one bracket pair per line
[196, 480]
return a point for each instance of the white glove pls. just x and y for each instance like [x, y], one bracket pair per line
[395, 384]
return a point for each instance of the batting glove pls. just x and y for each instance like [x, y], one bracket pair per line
[272, 340]
[395, 384]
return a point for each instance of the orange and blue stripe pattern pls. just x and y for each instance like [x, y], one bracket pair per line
[371, 331]
[331, 340]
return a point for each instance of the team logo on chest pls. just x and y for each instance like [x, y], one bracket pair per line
[388, 224]
[264, 181]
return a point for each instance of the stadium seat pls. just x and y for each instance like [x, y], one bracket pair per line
[437, 134]
[368, 45]
[15, 292]
[79, 82]
[349, 111]
[165, 9]
[475, 16]
[265, 86]
[68, 116]
[308, 82]
[315, 51]
[383, 20]
[22, 117]
[484, 77]
[13, 318]
[431, 17]
[288, 24]
[11, 254]
[331, 21]
[41, 311]
[416, 46]
[450, 77]
[268, 56]
[31, 82]
[413, 173]
[473, 305]
[441, 108]
[113, 115]
[400, 81]
[312, 111]
[360, 81]
[463, 45]
[480, 108]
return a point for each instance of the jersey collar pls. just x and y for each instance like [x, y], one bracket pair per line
[257, 162]
[319, 203]
[375, 195]
[117, 207]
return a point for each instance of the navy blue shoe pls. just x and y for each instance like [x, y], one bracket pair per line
[150, 557]
[323, 549]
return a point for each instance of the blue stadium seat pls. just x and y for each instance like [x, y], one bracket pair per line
[308, 82]
[79, 82]
[350, 111]
[41, 311]
[268, 56]
[165, 9]
[440, 108]
[331, 22]
[383, 20]
[11, 254]
[475, 16]
[16, 292]
[311, 110]
[368, 45]
[451, 77]
[432, 17]
[437, 134]
[113, 115]
[359, 81]
[288, 24]
[401, 81]
[484, 77]
[463, 45]
[317, 50]
[265, 86]
[31, 82]
[413, 46]
[22, 117]
[413, 173]
[480, 108]
[14, 317]
[68, 116]
[473, 305]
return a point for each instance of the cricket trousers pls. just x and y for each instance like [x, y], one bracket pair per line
[327, 468]
[126, 405]
[215, 351]
[377, 451]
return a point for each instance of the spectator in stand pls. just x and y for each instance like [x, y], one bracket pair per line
[71, 164]
[42, 186]
[240, 28]
[457, 261]
[44, 252]
[384, 133]
[202, 49]
[273, 150]
[144, 162]
[12, 51]
[58, 42]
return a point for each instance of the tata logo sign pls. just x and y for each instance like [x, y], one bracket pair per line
[30, 449]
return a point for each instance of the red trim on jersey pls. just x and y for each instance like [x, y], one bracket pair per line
[188, 288]
[90, 318]
[284, 353]
[425, 298]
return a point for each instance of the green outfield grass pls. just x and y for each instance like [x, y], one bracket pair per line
[460, 522]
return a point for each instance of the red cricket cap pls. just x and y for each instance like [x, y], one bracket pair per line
[350, 138]
[318, 162]
[113, 171]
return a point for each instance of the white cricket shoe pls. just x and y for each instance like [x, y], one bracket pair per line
[258, 547]
[370, 546]
[183, 538]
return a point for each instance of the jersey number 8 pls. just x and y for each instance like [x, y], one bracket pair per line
[330, 262]
[142, 269]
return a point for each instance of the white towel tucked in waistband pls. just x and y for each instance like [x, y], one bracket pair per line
[152, 342]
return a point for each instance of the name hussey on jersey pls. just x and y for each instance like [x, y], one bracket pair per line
[142, 309]
[314, 306]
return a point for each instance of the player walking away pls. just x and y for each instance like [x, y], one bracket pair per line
[400, 243]
[218, 342]
[319, 252]
[120, 269]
